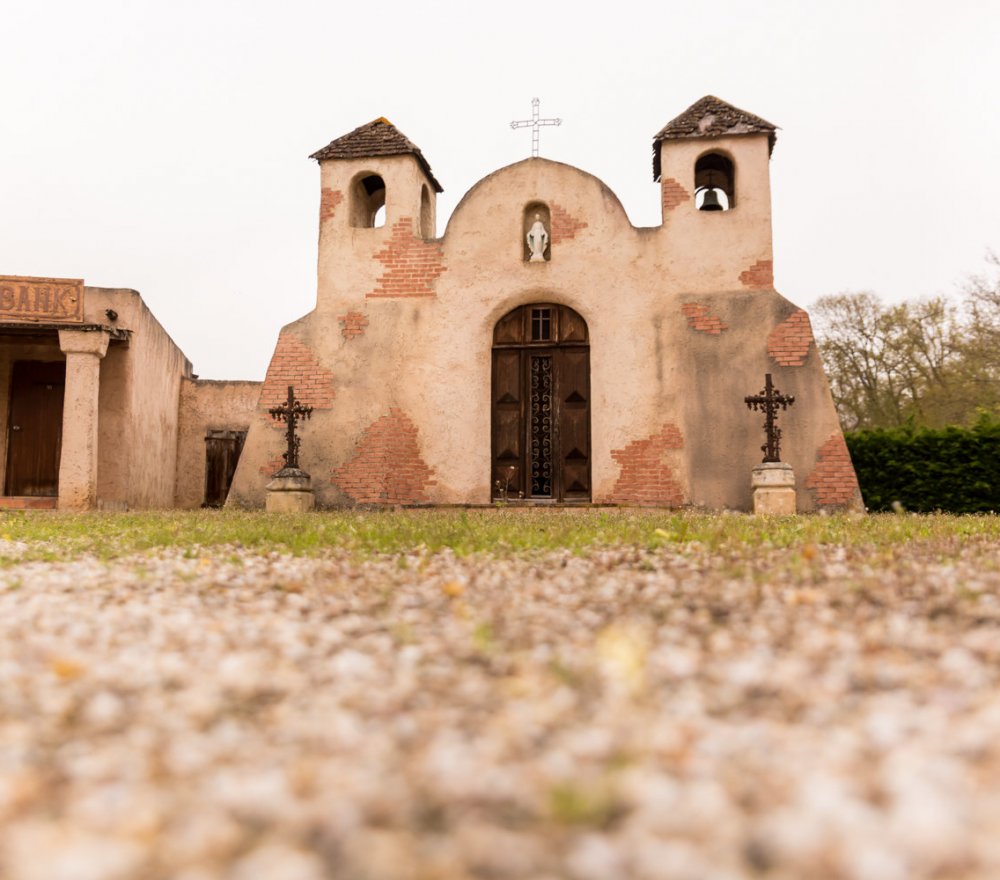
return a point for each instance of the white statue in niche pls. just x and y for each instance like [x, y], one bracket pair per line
[538, 240]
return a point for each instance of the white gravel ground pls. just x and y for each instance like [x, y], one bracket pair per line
[620, 715]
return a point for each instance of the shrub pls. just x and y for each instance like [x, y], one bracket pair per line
[926, 469]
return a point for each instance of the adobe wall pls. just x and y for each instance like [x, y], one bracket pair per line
[139, 395]
[207, 405]
[683, 322]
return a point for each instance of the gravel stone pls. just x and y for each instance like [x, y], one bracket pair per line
[620, 713]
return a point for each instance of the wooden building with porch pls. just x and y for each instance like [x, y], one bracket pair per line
[99, 408]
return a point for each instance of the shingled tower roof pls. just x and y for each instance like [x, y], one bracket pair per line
[377, 138]
[711, 117]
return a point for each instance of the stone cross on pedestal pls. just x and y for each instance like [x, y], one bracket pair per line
[290, 490]
[291, 412]
[534, 124]
[773, 481]
[768, 402]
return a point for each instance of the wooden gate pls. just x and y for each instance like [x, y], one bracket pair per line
[34, 432]
[222, 454]
[541, 405]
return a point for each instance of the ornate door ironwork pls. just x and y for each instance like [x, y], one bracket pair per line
[540, 426]
[541, 405]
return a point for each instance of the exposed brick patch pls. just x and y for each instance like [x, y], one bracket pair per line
[352, 324]
[328, 201]
[700, 319]
[789, 342]
[645, 476]
[271, 467]
[564, 225]
[673, 194]
[760, 274]
[293, 363]
[412, 265]
[386, 467]
[833, 479]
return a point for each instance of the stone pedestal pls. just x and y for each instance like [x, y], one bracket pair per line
[78, 460]
[773, 489]
[290, 492]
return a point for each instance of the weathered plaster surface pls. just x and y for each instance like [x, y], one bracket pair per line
[653, 363]
[207, 406]
[78, 460]
[140, 397]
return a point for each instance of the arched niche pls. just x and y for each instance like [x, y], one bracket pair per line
[536, 212]
[367, 201]
[715, 171]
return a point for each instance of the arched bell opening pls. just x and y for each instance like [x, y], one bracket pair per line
[367, 201]
[541, 405]
[714, 183]
[427, 230]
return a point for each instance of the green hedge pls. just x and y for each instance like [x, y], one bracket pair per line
[926, 469]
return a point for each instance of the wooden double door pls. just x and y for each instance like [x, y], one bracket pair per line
[34, 427]
[541, 405]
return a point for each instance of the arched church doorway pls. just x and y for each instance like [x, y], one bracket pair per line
[541, 405]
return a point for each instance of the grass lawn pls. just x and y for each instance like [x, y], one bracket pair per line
[26, 536]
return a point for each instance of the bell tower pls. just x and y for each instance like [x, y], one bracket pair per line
[374, 183]
[712, 164]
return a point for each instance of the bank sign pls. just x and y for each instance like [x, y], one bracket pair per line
[41, 300]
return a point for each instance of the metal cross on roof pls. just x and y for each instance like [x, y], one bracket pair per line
[534, 123]
[291, 411]
[768, 402]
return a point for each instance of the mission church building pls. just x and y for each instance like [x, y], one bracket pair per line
[590, 361]
[542, 349]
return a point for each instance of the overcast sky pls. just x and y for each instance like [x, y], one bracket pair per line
[163, 146]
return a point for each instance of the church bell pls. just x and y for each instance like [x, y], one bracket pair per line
[711, 201]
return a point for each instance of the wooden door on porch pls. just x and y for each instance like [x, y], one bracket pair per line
[34, 427]
[541, 405]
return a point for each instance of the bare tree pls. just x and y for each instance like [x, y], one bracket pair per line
[982, 337]
[917, 363]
